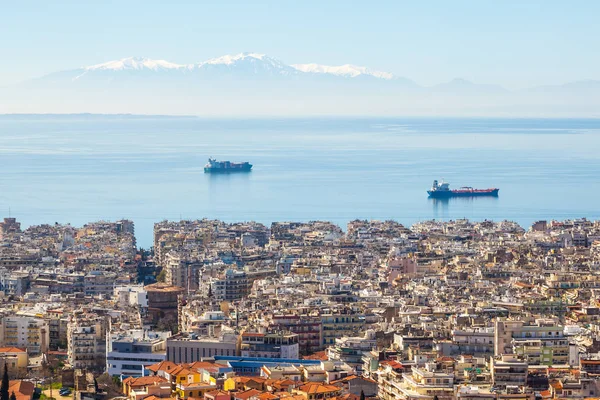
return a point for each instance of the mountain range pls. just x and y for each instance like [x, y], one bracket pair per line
[257, 84]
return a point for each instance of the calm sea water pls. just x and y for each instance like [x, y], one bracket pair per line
[78, 170]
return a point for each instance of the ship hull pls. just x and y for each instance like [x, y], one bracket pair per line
[230, 170]
[466, 193]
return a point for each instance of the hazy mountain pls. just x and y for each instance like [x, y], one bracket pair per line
[465, 86]
[257, 84]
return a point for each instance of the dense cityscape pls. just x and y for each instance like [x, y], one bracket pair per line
[227, 311]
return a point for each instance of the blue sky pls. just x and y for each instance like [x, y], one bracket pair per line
[512, 43]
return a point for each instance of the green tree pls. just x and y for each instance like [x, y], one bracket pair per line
[5, 384]
[13, 396]
[362, 395]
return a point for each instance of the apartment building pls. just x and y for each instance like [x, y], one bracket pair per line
[307, 327]
[231, 287]
[14, 283]
[87, 343]
[351, 350]
[508, 370]
[428, 382]
[477, 342]
[30, 333]
[58, 325]
[541, 343]
[99, 283]
[270, 345]
[339, 324]
[182, 271]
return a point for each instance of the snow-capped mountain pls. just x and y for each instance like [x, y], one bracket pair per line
[346, 71]
[245, 64]
[242, 65]
[257, 84]
[135, 63]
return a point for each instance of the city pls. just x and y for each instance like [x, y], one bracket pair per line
[215, 310]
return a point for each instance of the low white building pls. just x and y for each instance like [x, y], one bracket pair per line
[127, 353]
[132, 295]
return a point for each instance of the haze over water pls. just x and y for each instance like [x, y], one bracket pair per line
[77, 170]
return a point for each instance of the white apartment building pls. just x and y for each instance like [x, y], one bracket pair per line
[87, 344]
[25, 332]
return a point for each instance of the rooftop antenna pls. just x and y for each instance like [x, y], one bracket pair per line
[9, 212]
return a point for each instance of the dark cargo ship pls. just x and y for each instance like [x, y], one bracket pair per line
[214, 166]
[441, 190]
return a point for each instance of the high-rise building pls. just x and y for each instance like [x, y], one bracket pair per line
[87, 343]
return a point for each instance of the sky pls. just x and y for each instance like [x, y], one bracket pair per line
[516, 43]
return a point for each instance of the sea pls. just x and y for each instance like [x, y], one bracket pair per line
[83, 168]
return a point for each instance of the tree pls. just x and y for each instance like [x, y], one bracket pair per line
[162, 276]
[13, 396]
[362, 395]
[5, 384]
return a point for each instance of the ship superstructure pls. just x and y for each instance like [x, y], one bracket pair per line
[214, 166]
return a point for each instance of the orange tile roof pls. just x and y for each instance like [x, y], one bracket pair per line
[280, 383]
[23, 389]
[267, 396]
[200, 364]
[289, 396]
[144, 381]
[182, 371]
[247, 394]
[151, 397]
[314, 387]
[215, 393]
[12, 350]
[166, 366]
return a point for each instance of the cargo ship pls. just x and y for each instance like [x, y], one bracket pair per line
[441, 190]
[214, 166]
